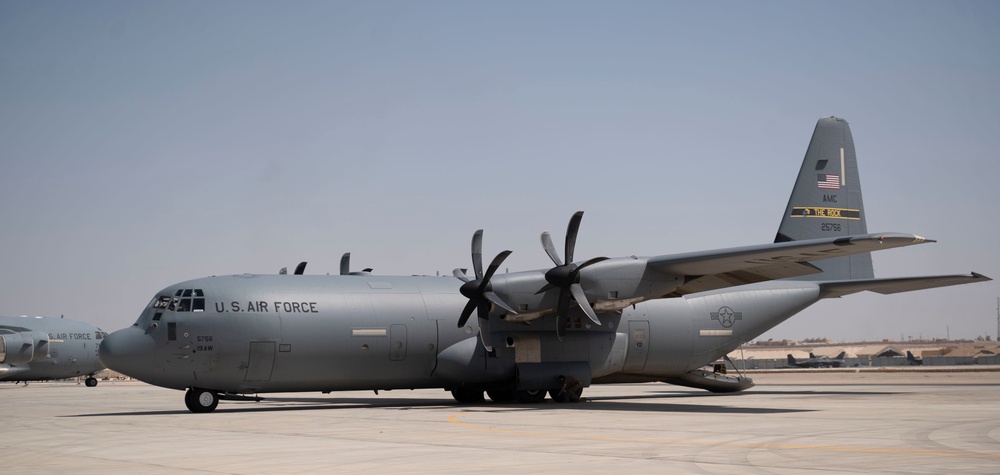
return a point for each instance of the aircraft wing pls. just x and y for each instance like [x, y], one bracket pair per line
[709, 270]
[896, 285]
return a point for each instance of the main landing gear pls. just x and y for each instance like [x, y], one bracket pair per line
[535, 396]
[90, 381]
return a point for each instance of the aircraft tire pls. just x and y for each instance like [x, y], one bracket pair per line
[501, 395]
[559, 395]
[91, 382]
[530, 396]
[467, 396]
[201, 400]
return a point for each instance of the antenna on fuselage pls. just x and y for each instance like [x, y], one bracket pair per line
[299, 269]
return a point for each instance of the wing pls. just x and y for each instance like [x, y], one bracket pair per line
[896, 285]
[709, 270]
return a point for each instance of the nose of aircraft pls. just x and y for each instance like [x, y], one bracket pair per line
[127, 351]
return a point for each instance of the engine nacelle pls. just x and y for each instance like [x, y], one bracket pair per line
[23, 347]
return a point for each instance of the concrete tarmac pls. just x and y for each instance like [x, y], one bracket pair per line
[799, 422]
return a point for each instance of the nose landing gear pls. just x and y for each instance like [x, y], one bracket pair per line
[201, 400]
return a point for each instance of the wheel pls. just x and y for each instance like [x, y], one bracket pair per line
[530, 396]
[467, 395]
[91, 382]
[501, 395]
[201, 400]
[559, 395]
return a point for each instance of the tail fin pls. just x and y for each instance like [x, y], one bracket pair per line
[791, 360]
[826, 200]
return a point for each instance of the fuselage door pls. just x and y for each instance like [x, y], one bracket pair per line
[261, 361]
[638, 346]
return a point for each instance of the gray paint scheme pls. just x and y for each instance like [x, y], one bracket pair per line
[43, 348]
[660, 318]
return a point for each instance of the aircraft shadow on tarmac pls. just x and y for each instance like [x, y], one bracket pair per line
[616, 403]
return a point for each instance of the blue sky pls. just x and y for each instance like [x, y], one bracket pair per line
[146, 143]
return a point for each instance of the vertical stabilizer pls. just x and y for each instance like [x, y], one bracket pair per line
[826, 200]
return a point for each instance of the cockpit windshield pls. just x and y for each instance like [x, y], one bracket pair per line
[183, 300]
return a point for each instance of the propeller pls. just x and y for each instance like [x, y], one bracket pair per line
[345, 266]
[566, 276]
[299, 269]
[479, 291]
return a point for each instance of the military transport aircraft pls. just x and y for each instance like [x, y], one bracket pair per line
[41, 348]
[818, 361]
[599, 320]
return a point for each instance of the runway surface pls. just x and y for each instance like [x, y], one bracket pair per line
[798, 422]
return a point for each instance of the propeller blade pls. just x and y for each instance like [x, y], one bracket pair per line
[581, 299]
[460, 275]
[497, 261]
[589, 262]
[550, 248]
[563, 308]
[484, 327]
[466, 313]
[492, 297]
[299, 269]
[560, 327]
[345, 264]
[571, 232]
[477, 253]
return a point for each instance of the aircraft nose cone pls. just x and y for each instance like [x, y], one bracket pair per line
[127, 351]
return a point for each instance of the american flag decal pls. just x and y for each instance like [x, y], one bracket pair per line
[828, 181]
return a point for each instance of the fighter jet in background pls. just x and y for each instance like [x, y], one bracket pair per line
[598, 320]
[42, 348]
[818, 361]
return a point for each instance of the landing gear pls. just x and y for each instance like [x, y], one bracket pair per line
[501, 395]
[529, 396]
[467, 395]
[201, 400]
[90, 382]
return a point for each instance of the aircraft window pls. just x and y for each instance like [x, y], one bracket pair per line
[182, 301]
[157, 315]
[162, 302]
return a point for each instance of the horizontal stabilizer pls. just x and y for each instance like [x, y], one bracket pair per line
[896, 285]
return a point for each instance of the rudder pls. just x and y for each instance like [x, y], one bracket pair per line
[826, 200]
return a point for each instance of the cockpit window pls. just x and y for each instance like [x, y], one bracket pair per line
[183, 300]
[162, 302]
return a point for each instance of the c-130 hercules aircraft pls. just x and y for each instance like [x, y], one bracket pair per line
[626, 319]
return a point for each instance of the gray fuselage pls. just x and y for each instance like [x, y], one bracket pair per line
[271, 333]
[41, 348]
